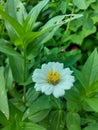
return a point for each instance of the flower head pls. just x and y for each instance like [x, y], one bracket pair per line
[53, 78]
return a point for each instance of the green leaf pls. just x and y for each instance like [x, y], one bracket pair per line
[16, 9]
[3, 120]
[90, 2]
[88, 23]
[33, 14]
[88, 76]
[30, 126]
[48, 30]
[37, 106]
[57, 120]
[4, 108]
[8, 78]
[31, 96]
[93, 89]
[73, 121]
[93, 103]
[16, 26]
[80, 77]
[92, 127]
[64, 5]
[17, 67]
[7, 49]
[79, 36]
[18, 125]
[39, 116]
[81, 4]
[27, 38]
[90, 69]
[73, 98]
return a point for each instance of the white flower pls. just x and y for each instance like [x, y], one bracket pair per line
[52, 78]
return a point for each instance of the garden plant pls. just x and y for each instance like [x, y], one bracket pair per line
[48, 65]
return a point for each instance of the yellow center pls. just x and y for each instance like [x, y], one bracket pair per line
[53, 77]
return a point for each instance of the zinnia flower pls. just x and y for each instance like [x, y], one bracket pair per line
[53, 78]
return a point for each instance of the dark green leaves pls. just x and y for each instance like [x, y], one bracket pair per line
[73, 121]
[89, 74]
[33, 14]
[17, 27]
[36, 111]
[90, 69]
[88, 78]
[92, 127]
[57, 120]
[16, 9]
[7, 49]
[17, 67]
[93, 103]
[80, 4]
[19, 125]
[83, 4]
[3, 95]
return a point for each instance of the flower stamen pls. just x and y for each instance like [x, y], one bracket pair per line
[53, 77]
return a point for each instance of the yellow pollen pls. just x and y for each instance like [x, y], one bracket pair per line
[53, 77]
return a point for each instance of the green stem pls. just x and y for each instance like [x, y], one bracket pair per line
[25, 73]
[68, 25]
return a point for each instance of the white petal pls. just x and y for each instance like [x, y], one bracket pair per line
[66, 82]
[66, 71]
[48, 89]
[38, 87]
[65, 85]
[46, 67]
[58, 92]
[68, 78]
[39, 76]
[56, 66]
[44, 88]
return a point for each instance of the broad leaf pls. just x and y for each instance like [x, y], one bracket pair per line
[79, 36]
[16, 10]
[49, 29]
[73, 121]
[18, 125]
[92, 127]
[90, 69]
[83, 4]
[39, 116]
[31, 96]
[7, 49]
[33, 14]
[17, 67]
[29, 126]
[4, 108]
[57, 120]
[16, 26]
[37, 106]
[93, 103]
[27, 38]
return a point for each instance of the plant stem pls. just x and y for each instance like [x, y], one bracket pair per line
[25, 73]
[68, 25]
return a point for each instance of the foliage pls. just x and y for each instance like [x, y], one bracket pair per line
[36, 32]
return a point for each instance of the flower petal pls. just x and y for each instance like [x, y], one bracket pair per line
[58, 92]
[66, 71]
[47, 89]
[39, 76]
